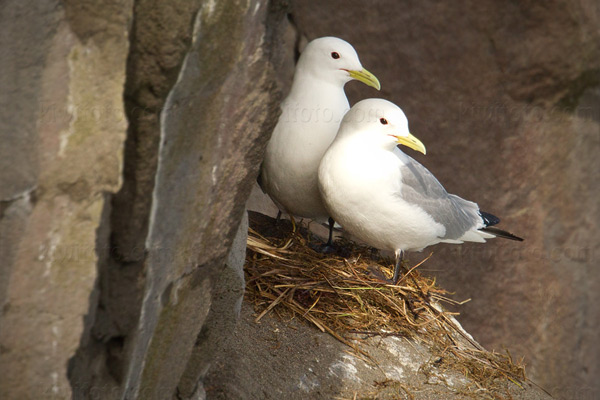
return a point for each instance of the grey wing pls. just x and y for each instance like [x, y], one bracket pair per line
[421, 188]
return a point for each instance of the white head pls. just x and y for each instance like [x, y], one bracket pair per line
[378, 122]
[333, 60]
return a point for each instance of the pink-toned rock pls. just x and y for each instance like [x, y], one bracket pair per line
[506, 97]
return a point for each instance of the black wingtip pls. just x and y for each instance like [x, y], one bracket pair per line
[501, 233]
[488, 219]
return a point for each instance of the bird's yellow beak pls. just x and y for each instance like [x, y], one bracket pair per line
[365, 77]
[412, 142]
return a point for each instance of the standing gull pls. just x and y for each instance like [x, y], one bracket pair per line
[387, 199]
[310, 118]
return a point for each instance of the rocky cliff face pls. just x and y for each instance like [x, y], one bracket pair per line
[507, 99]
[119, 118]
[63, 126]
[132, 132]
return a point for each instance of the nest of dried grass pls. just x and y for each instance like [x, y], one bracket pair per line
[344, 297]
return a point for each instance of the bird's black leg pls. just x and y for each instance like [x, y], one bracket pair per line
[328, 247]
[278, 218]
[399, 265]
[330, 240]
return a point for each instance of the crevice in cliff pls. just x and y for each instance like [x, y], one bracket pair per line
[297, 36]
[82, 376]
[153, 63]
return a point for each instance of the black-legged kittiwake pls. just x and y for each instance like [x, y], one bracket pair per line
[309, 121]
[386, 198]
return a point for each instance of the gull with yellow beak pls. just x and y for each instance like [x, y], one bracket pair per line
[386, 198]
[310, 118]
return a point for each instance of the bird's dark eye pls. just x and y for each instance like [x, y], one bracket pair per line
[383, 121]
[335, 55]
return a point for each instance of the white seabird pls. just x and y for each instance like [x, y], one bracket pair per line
[386, 198]
[310, 118]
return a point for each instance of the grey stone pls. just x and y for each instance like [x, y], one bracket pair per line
[212, 137]
[222, 318]
[160, 36]
[276, 359]
[62, 134]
